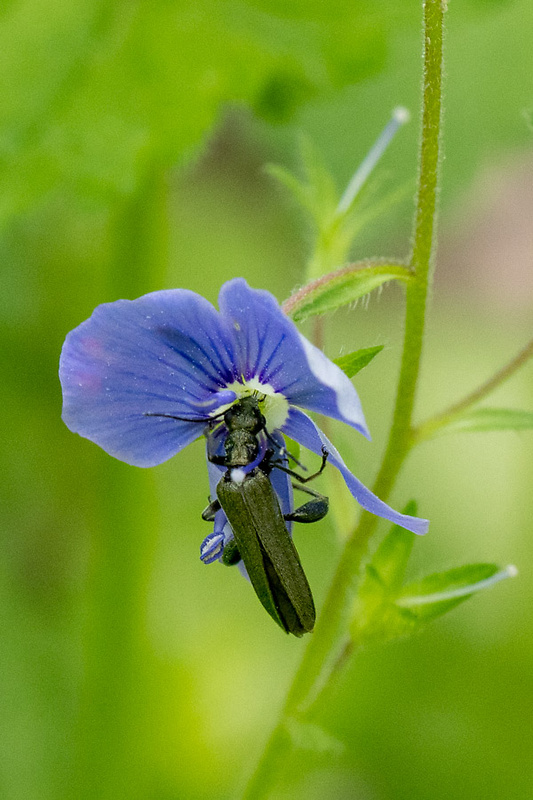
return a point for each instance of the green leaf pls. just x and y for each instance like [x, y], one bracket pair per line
[381, 614]
[317, 193]
[320, 181]
[299, 190]
[354, 362]
[341, 288]
[490, 419]
[438, 593]
[375, 616]
[384, 610]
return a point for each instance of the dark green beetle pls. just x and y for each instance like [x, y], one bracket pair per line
[247, 497]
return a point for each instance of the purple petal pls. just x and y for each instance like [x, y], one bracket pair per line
[269, 347]
[303, 430]
[214, 473]
[212, 546]
[281, 481]
[166, 353]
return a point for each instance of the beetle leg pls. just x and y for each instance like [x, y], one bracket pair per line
[313, 510]
[209, 512]
[231, 555]
[300, 478]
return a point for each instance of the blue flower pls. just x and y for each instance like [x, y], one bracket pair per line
[134, 366]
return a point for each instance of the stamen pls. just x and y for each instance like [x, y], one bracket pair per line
[398, 118]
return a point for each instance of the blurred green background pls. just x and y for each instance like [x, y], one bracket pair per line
[133, 140]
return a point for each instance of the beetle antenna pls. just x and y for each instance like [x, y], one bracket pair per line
[183, 419]
[300, 478]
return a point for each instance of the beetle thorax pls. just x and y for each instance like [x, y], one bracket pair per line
[241, 448]
[245, 415]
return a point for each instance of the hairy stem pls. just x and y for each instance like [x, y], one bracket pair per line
[323, 648]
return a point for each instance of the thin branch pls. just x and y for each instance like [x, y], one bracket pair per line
[427, 428]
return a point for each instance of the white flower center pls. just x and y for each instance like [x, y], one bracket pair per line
[273, 405]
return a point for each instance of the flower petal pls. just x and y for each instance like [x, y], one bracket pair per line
[212, 546]
[303, 430]
[269, 347]
[165, 353]
[214, 473]
[281, 481]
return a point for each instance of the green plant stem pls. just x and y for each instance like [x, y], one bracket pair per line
[426, 429]
[323, 647]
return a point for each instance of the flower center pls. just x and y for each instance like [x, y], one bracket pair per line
[273, 405]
